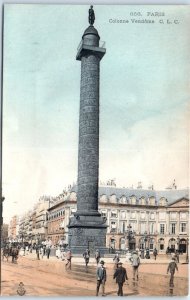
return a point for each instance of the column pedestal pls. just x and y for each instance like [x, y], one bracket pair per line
[87, 232]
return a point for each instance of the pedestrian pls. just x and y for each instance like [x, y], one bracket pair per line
[27, 250]
[86, 256]
[120, 275]
[116, 260]
[176, 256]
[68, 257]
[24, 247]
[38, 251]
[147, 256]
[135, 264]
[101, 278]
[58, 252]
[30, 248]
[155, 253]
[142, 253]
[97, 256]
[43, 251]
[171, 268]
[48, 250]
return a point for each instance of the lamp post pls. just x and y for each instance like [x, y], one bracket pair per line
[129, 235]
[146, 238]
[112, 244]
[187, 255]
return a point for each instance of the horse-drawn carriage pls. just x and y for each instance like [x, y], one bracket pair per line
[12, 251]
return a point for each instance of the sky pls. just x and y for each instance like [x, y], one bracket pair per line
[144, 99]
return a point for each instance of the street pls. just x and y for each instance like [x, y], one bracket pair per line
[49, 278]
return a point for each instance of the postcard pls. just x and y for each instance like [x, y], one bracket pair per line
[95, 189]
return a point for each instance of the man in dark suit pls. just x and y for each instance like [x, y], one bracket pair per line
[86, 256]
[120, 275]
[171, 268]
[101, 278]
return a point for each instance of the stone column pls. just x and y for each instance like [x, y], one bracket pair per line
[88, 156]
[87, 228]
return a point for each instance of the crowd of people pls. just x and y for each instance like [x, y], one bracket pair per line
[119, 272]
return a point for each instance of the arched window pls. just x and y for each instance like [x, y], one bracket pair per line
[103, 198]
[171, 243]
[133, 200]
[123, 200]
[142, 201]
[162, 201]
[151, 201]
[113, 198]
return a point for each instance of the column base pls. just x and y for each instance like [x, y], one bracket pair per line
[87, 232]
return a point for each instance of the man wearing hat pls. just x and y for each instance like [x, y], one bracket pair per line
[171, 268]
[116, 259]
[86, 256]
[97, 256]
[120, 275]
[101, 278]
[135, 264]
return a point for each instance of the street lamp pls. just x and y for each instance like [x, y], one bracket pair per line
[146, 238]
[129, 235]
[112, 244]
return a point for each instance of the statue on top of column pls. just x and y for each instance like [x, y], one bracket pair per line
[91, 17]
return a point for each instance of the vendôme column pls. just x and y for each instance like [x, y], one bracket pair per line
[87, 228]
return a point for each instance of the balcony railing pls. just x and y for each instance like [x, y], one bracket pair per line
[102, 44]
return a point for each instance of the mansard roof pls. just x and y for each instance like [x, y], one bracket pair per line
[170, 195]
[119, 192]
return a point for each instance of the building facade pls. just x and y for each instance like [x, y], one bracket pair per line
[154, 218]
[136, 218]
[13, 228]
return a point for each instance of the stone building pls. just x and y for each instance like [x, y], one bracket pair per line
[39, 227]
[155, 218]
[4, 233]
[33, 224]
[58, 218]
[13, 228]
[23, 227]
